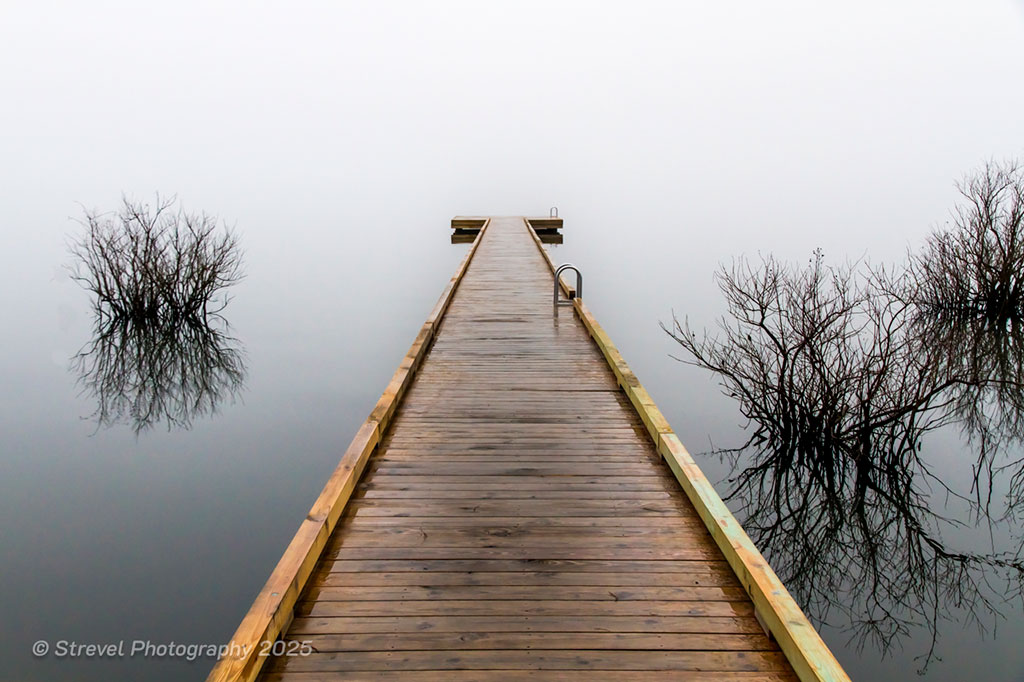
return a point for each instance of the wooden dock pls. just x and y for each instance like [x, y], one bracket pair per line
[516, 507]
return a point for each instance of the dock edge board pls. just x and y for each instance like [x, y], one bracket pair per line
[778, 612]
[273, 608]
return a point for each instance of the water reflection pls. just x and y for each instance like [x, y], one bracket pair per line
[989, 355]
[144, 374]
[161, 350]
[464, 237]
[841, 383]
[864, 549]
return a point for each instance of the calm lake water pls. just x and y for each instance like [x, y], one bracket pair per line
[168, 536]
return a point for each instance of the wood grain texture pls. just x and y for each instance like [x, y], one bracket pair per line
[517, 520]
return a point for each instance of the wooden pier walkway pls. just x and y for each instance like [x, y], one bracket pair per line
[515, 519]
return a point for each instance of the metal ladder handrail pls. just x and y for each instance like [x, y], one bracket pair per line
[579, 283]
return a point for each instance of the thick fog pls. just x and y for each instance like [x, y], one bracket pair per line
[339, 139]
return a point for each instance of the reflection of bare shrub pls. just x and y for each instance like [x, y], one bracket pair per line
[160, 349]
[145, 373]
[989, 401]
[870, 556]
[977, 267]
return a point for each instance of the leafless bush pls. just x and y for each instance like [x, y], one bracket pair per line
[840, 381]
[976, 268]
[158, 280]
[145, 263]
[981, 352]
[823, 369]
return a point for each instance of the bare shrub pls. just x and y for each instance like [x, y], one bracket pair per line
[840, 381]
[158, 280]
[823, 369]
[976, 268]
[145, 263]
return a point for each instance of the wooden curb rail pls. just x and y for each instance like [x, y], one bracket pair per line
[273, 608]
[775, 607]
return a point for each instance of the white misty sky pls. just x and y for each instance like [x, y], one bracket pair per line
[782, 125]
